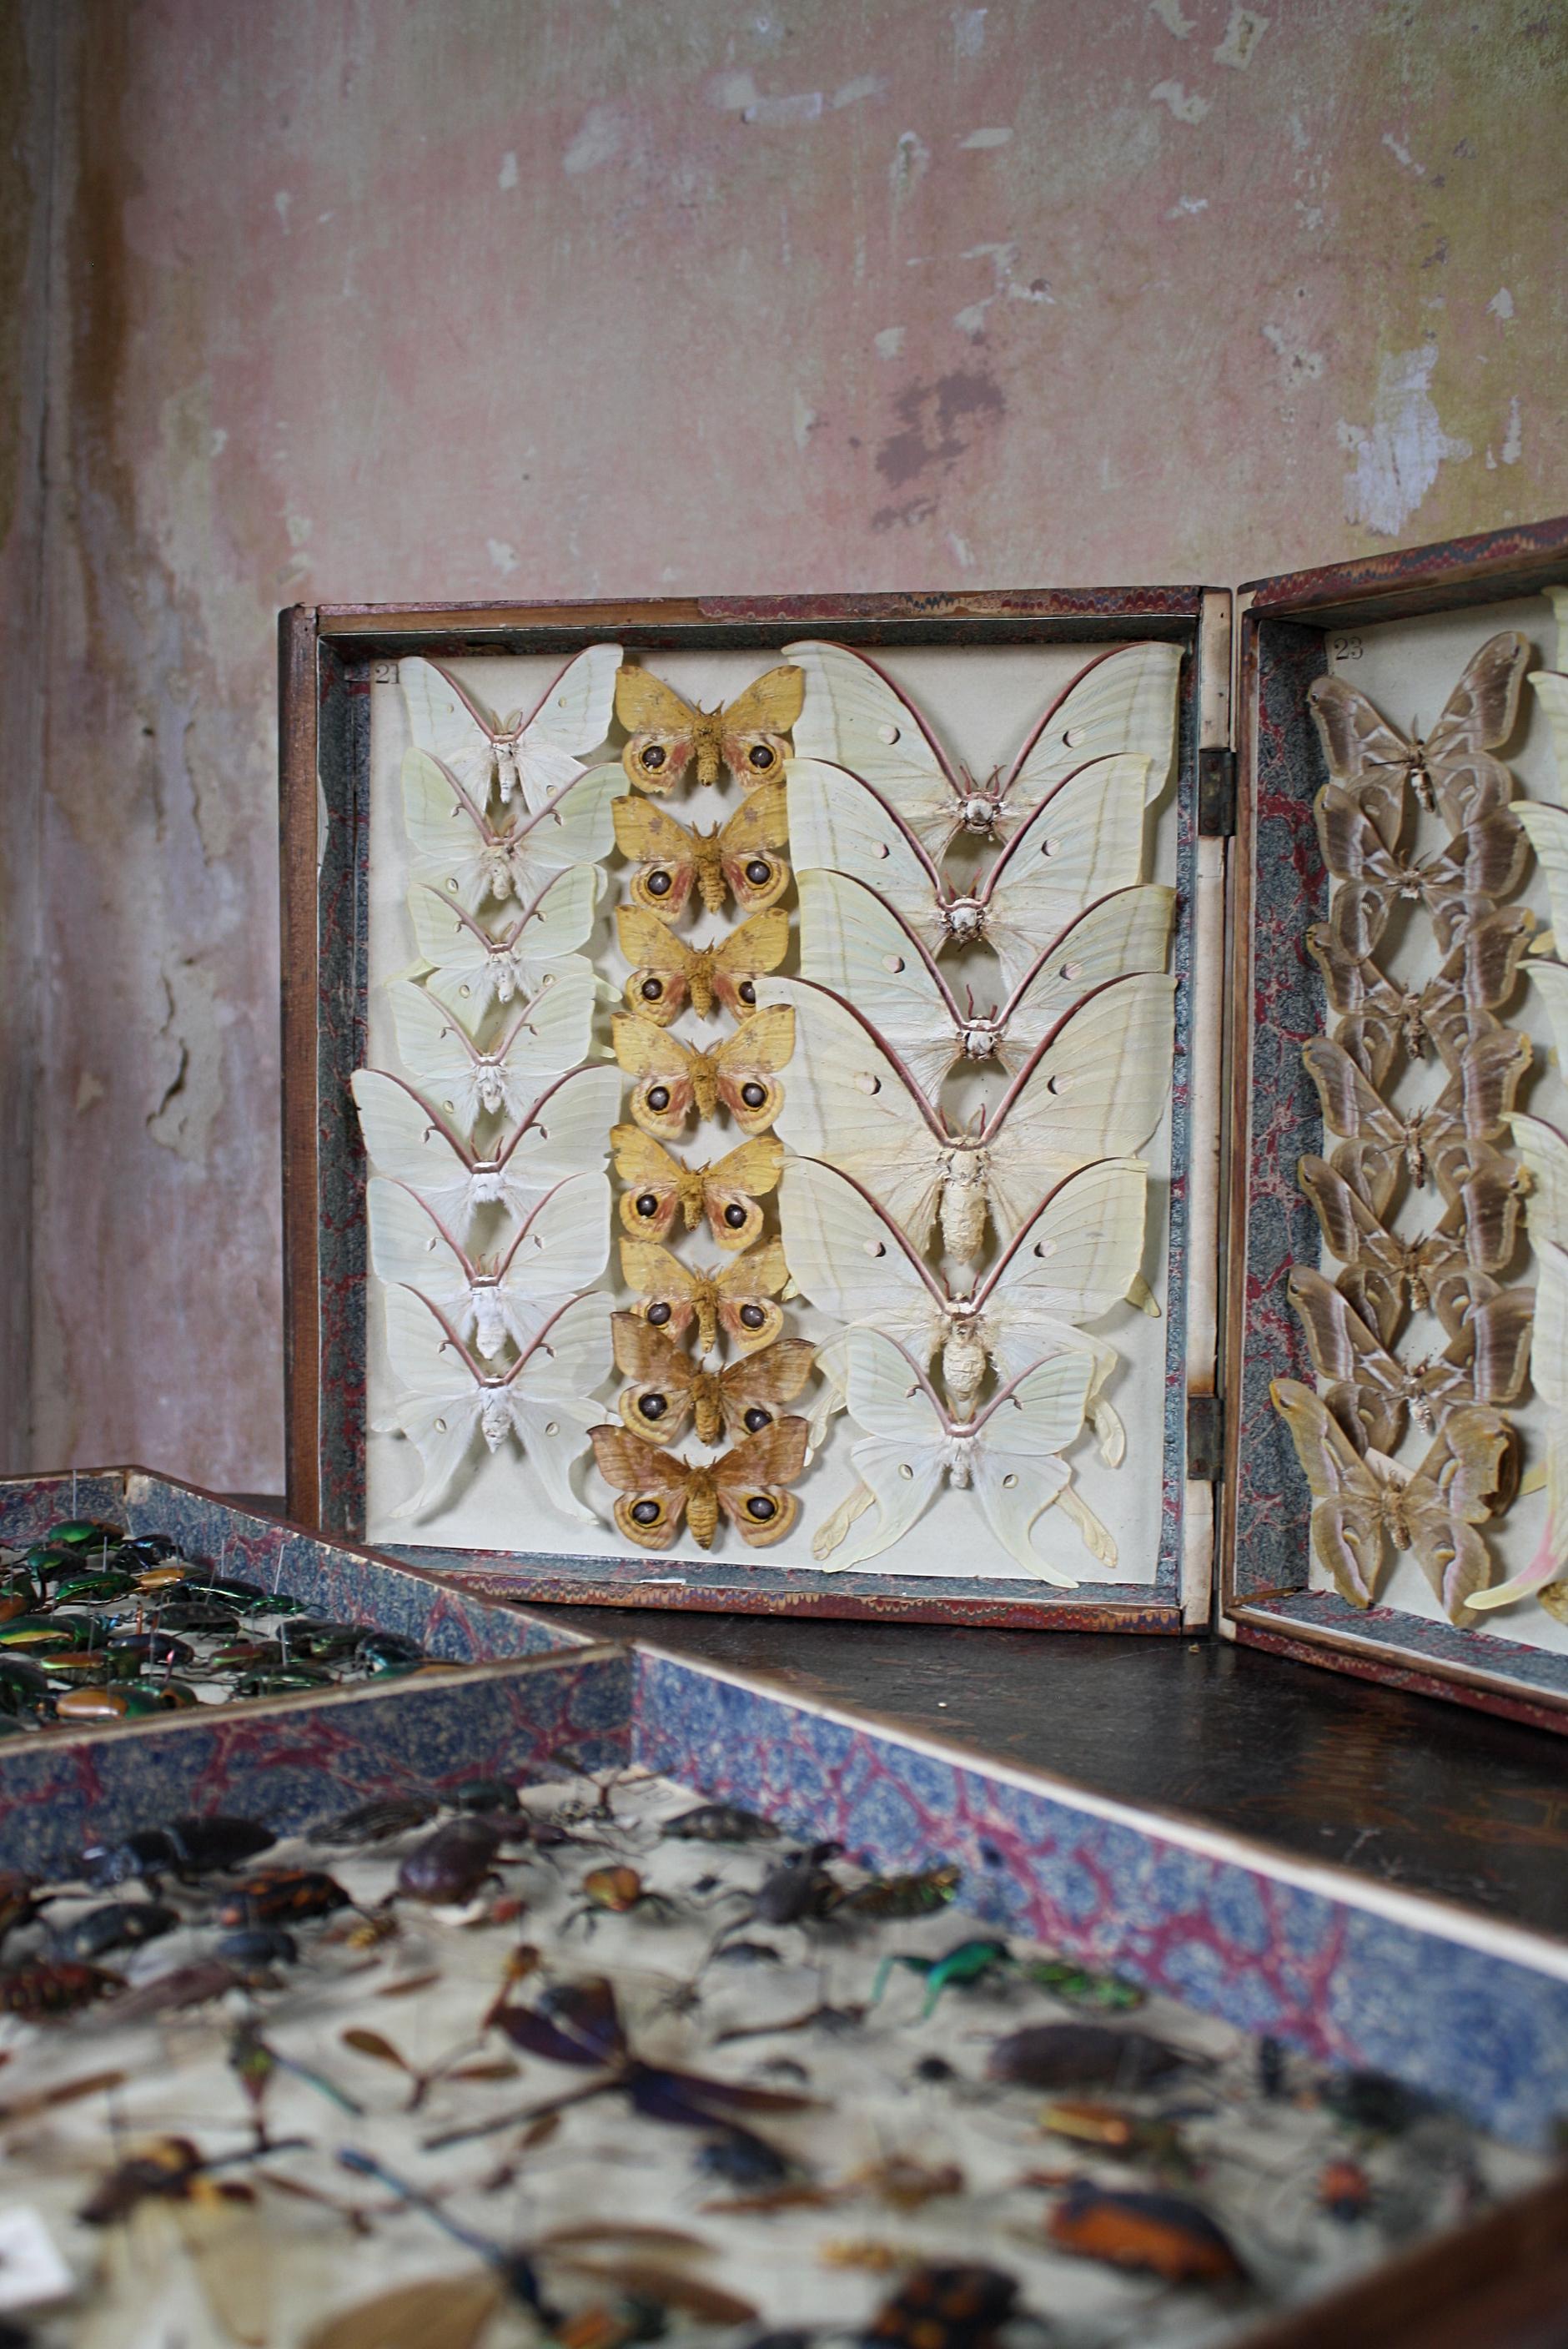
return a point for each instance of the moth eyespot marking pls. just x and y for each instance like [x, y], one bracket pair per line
[645, 1512]
[552, 1427]
[1072, 970]
[735, 1216]
[754, 1095]
[906, 1471]
[647, 1203]
[875, 1247]
[762, 756]
[651, 989]
[752, 1316]
[652, 1406]
[866, 1083]
[657, 1316]
[893, 963]
[1055, 1084]
[1075, 735]
[888, 733]
[652, 756]
[746, 991]
[1009, 1484]
[658, 1097]
[754, 1420]
[880, 848]
[1048, 848]
[760, 1508]
[465, 988]
[548, 980]
[660, 883]
[449, 1105]
[1044, 1247]
[453, 887]
[759, 871]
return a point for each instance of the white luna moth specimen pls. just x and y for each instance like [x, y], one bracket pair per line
[1548, 831]
[567, 1129]
[1085, 841]
[461, 852]
[543, 1399]
[1094, 1090]
[1549, 1375]
[546, 1035]
[854, 943]
[855, 717]
[562, 1246]
[530, 753]
[478, 968]
[1075, 1259]
[1009, 1456]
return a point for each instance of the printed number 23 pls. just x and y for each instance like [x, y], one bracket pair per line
[1345, 648]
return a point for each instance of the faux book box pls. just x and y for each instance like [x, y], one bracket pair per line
[1098, 923]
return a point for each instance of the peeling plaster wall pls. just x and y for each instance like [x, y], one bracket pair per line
[560, 297]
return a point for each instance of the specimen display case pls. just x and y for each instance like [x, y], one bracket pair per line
[1165, 2082]
[911, 1106]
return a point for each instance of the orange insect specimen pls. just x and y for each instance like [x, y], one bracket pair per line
[1159, 2234]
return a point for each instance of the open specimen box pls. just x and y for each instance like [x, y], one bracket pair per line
[1397, 1196]
[1163, 2042]
[916, 1149]
[718, 1177]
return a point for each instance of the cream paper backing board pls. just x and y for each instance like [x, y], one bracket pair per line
[982, 704]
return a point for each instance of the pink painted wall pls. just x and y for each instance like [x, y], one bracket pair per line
[558, 297]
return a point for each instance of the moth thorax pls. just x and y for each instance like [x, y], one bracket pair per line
[1418, 774]
[490, 1321]
[498, 876]
[961, 1462]
[704, 1083]
[965, 918]
[963, 1363]
[505, 773]
[702, 1510]
[691, 1195]
[963, 1202]
[980, 1038]
[487, 1182]
[980, 814]
[504, 978]
[489, 1086]
[495, 1416]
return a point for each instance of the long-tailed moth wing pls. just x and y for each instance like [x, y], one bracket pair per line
[564, 1131]
[475, 966]
[533, 752]
[542, 1038]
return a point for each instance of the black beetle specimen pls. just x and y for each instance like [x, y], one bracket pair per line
[184, 1847]
[117, 1925]
[449, 1866]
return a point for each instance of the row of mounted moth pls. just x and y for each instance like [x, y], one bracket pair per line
[1416, 1336]
[955, 1246]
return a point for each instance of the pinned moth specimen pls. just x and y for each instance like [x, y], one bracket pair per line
[669, 1387]
[1359, 1501]
[449, 1396]
[560, 1249]
[854, 943]
[1094, 1090]
[856, 718]
[1374, 1396]
[1457, 883]
[1447, 1270]
[1548, 831]
[738, 857]
[746, 1483]
[733, 1297]
[1542, 1577]
[559, 1134]
[726, 1191]
[667, 972]
[478, 967]
[530, 753]
[672, 1079]
[1009, 1456]
[544, 1038]
[1438, 1139]
[1451, 770]
[466, 856]
[1082, 843]
[669, 733]
[1376, 1016]
[1075, 1257]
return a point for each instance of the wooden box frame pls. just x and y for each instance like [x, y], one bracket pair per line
[328, 654]
[1283, 625]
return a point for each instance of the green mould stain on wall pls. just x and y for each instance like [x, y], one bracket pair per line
[573, 299]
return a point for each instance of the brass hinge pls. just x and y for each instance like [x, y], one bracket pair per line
[1205, 1438]
[1216, 793]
